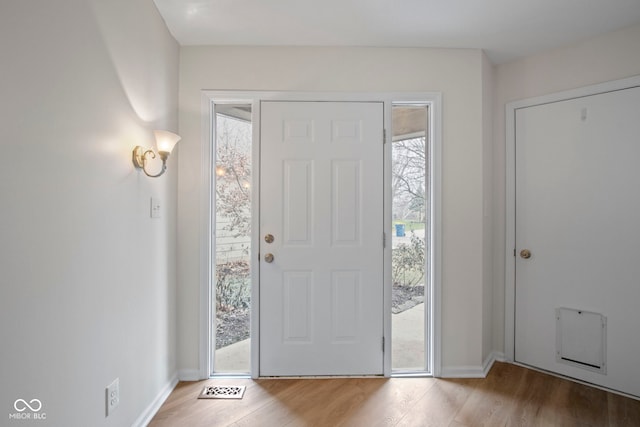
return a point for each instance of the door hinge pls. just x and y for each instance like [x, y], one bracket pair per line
[384, 136]
[383, 344]
[384, 240]
[514, 251]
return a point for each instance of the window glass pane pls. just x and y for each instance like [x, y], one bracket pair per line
[409, 234]
[232, 238]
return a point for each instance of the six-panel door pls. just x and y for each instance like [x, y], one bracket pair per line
[321, 198]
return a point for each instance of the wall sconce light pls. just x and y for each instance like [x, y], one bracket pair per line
[165, 141]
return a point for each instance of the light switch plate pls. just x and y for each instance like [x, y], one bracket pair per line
[156, 207]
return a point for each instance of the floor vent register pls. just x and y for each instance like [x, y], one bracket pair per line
[222, 392]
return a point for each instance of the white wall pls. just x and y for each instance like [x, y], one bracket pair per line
[88, 280]
[608, 57]
[456, 73]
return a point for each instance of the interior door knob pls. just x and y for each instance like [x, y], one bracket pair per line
[269, 238]
[525, 254]
[268, 258]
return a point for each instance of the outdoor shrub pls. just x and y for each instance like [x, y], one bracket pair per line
[407, 262]
[232, 285]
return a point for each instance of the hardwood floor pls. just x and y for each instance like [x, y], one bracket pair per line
[509, 396]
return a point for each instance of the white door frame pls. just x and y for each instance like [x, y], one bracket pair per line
[208, 100]
[510, 214]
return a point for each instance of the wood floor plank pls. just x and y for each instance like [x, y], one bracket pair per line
[493, 401]
[622, 411]
[532, 398]
[576, 404]
[288, 407]
[441, 403]
[350, 403]
[403, 392]
[510, 396]
[184, 407]
[334, 411]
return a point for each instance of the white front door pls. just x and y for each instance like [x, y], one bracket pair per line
[321, 277]
[577, 213]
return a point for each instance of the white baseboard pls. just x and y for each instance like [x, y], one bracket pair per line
[495, 356]
[462, 372]
[499, 356]
[472, 371]
[147, 415]
[189, 375]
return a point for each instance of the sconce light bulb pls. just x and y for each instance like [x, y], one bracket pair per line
[165, 140]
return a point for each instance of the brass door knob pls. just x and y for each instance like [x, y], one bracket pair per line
[525, 254]
[268, 258]
[269, 238]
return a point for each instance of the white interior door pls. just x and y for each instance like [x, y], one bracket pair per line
[577, 212]
[321, 198]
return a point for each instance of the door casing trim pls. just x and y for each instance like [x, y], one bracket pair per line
[211, 97]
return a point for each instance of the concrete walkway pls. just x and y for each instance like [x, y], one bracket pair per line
[234, 358]
[407, 350]
[407, 342]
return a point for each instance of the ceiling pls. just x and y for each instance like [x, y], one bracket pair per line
[505, 29]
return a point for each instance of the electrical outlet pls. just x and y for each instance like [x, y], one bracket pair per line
[113, 396]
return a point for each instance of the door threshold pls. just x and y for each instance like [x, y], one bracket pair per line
[224, 376]
[320, 377]
[414, 374]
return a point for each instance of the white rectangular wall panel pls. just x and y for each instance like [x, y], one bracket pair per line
[346, 213]
[345, 305]
[297, 306]
[298, 131]
[346, 131]
[298, 202]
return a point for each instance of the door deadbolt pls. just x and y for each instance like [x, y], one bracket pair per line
[525, 254]
[268, 258]
[269, 238]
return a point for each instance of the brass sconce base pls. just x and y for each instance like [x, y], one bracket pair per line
[138, 157]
